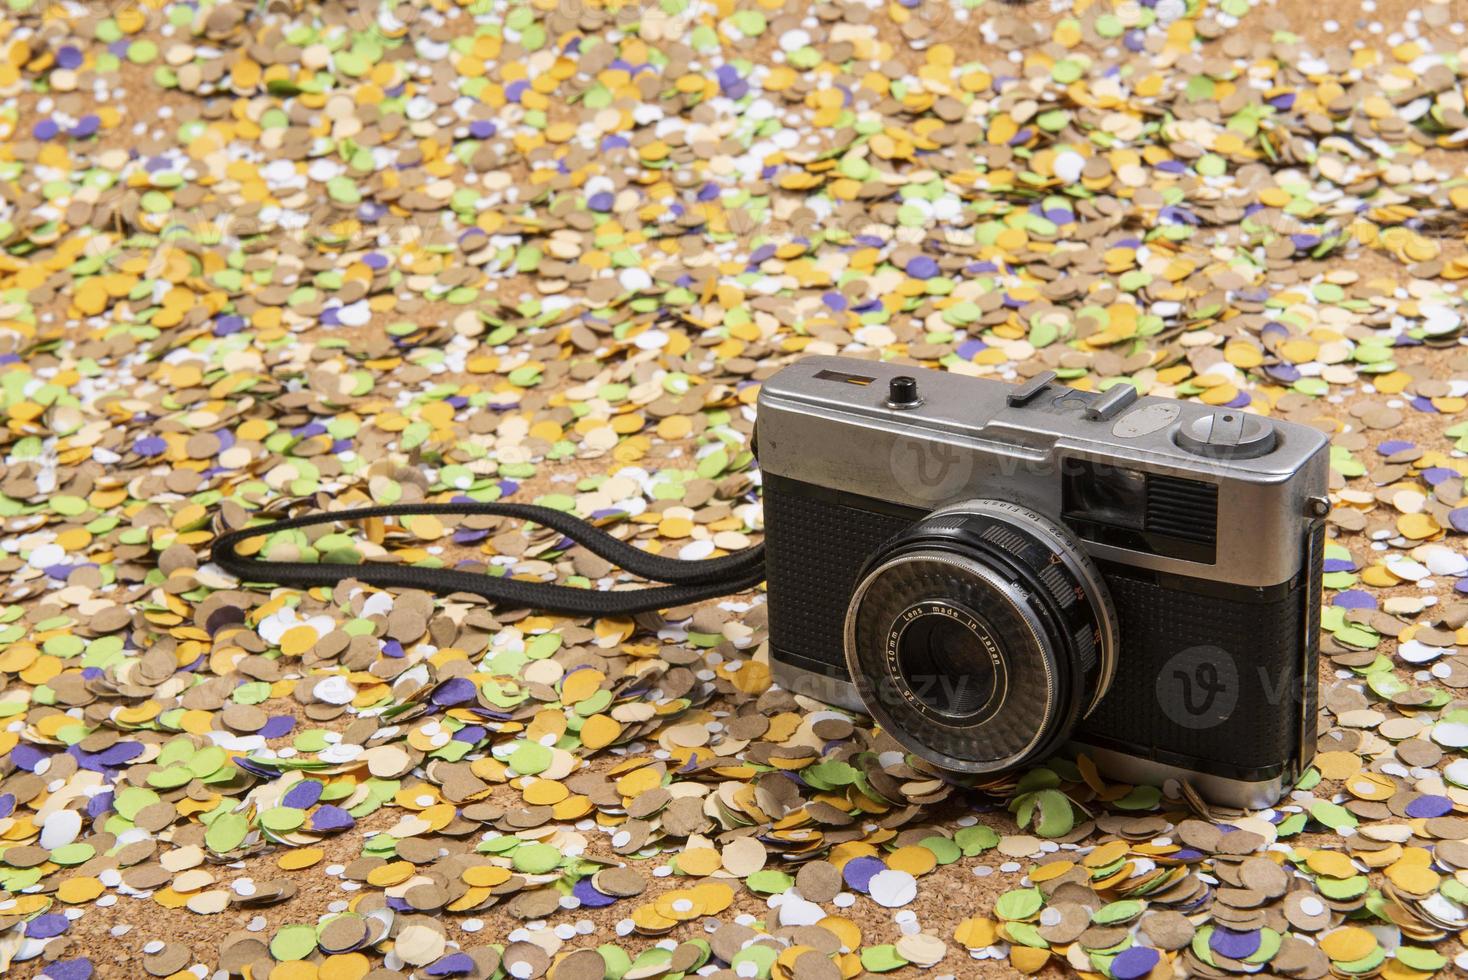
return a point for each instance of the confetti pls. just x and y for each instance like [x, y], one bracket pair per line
[261, 257]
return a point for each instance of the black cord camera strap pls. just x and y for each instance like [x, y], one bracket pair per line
[686, 581]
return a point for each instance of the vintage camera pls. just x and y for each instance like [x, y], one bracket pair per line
[993, 571]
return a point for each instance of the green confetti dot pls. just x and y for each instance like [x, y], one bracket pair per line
[141, 52]
[1117, 912]
[1332, 815]
[70, 855]
[882, 959]
[976, 840]
[1022, 903]
[293, 943]
[226, 832]
[207, 761]
[282, 819]
[769, 882]
[536, 859]
[530, 758]
[945, 850]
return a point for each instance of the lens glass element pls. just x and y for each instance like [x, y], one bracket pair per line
[948, 660]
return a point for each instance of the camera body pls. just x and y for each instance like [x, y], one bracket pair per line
[995, 570]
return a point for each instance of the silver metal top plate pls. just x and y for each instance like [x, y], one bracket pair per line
[966, 441]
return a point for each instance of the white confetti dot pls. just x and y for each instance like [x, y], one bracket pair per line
[893, 889]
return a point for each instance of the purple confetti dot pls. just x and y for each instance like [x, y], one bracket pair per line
[120, 753]
[1355, 599]
[1242, 400]
[1427, 807]
[47, 926]
[455, 690]
[331, 818]
[26, 757]
[1235, 945]
[99, 804]
[68, 57]
[589, 896]
[859, 872]
[450, 965]
[1393, 446]
[77, 969]
[921, 267]
[470, 734]
[1458, 517]
[481, 129]
[46, 129]
[1133, 963]
[303, 795]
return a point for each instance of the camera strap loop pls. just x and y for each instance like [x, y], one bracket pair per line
[686, 581]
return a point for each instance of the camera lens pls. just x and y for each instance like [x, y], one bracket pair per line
[980, 635]
[947, 659]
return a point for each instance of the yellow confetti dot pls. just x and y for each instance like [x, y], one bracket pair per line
[1332, 864]
[915, 860]
[1348, 944]
[545, 792]
[1417, 526]
[486, 875]
[698, 861]
[301, 857]
[1028, 959]
[599, 731]
[344, 966]
[298, 640]
[82, 889]
[975, 933]
[393, 873]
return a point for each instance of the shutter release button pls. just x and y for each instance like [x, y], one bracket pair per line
[902, 392]
[1227, 435]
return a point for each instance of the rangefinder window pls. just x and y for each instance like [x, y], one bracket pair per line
[1146, 512]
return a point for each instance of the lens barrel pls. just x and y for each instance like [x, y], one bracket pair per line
[979, 636]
